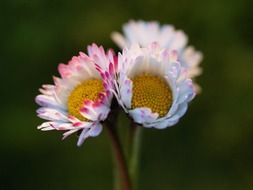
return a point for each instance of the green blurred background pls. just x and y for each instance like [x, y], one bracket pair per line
[211, 148]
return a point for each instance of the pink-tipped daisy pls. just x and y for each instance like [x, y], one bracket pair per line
[80, 99]
[152, 86]
[145, 33]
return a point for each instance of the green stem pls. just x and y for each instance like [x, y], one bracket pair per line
[135, 154]
[122, 169]
[116, 179]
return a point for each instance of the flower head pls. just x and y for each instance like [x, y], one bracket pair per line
[145, 33]
[81, 97]
[152, 86]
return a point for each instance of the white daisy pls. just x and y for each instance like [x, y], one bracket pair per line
[80, 98]
[152, 86]
[144, 33]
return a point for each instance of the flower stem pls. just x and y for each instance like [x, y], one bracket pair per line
[119, 157]
[135, 154]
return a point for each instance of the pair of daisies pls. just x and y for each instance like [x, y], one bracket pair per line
[151, 79]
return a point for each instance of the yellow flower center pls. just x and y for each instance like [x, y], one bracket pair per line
[152, 92]
[87, 90]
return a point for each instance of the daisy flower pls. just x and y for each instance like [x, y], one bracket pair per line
[80, 98]
[152, 86]
[144, 33]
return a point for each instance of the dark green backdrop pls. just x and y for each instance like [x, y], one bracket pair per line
[211, 148]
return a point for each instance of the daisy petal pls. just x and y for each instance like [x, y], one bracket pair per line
[95, 130]
[143, 115]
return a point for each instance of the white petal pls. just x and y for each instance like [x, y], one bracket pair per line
[94, 112]
[84, 135]
[52, 114]
[182, 108]
[56, 126]
[173, 109]
[119, 39]
[66, 134]
[95, 130]
[164, 124]
[173, 71]
[186, 92]
[46, 126]
[143, 115]
[48, 101]
[179, 40]
[47, 89]
[125, 89]
[191, 59]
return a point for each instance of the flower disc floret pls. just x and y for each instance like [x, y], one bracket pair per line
[87, 90]
[152, 92]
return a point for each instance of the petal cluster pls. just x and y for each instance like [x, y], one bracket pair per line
[151, 79]
[145, 33]
[160, 62]
[54, 98]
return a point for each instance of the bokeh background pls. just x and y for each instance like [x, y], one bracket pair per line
[211, 148]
